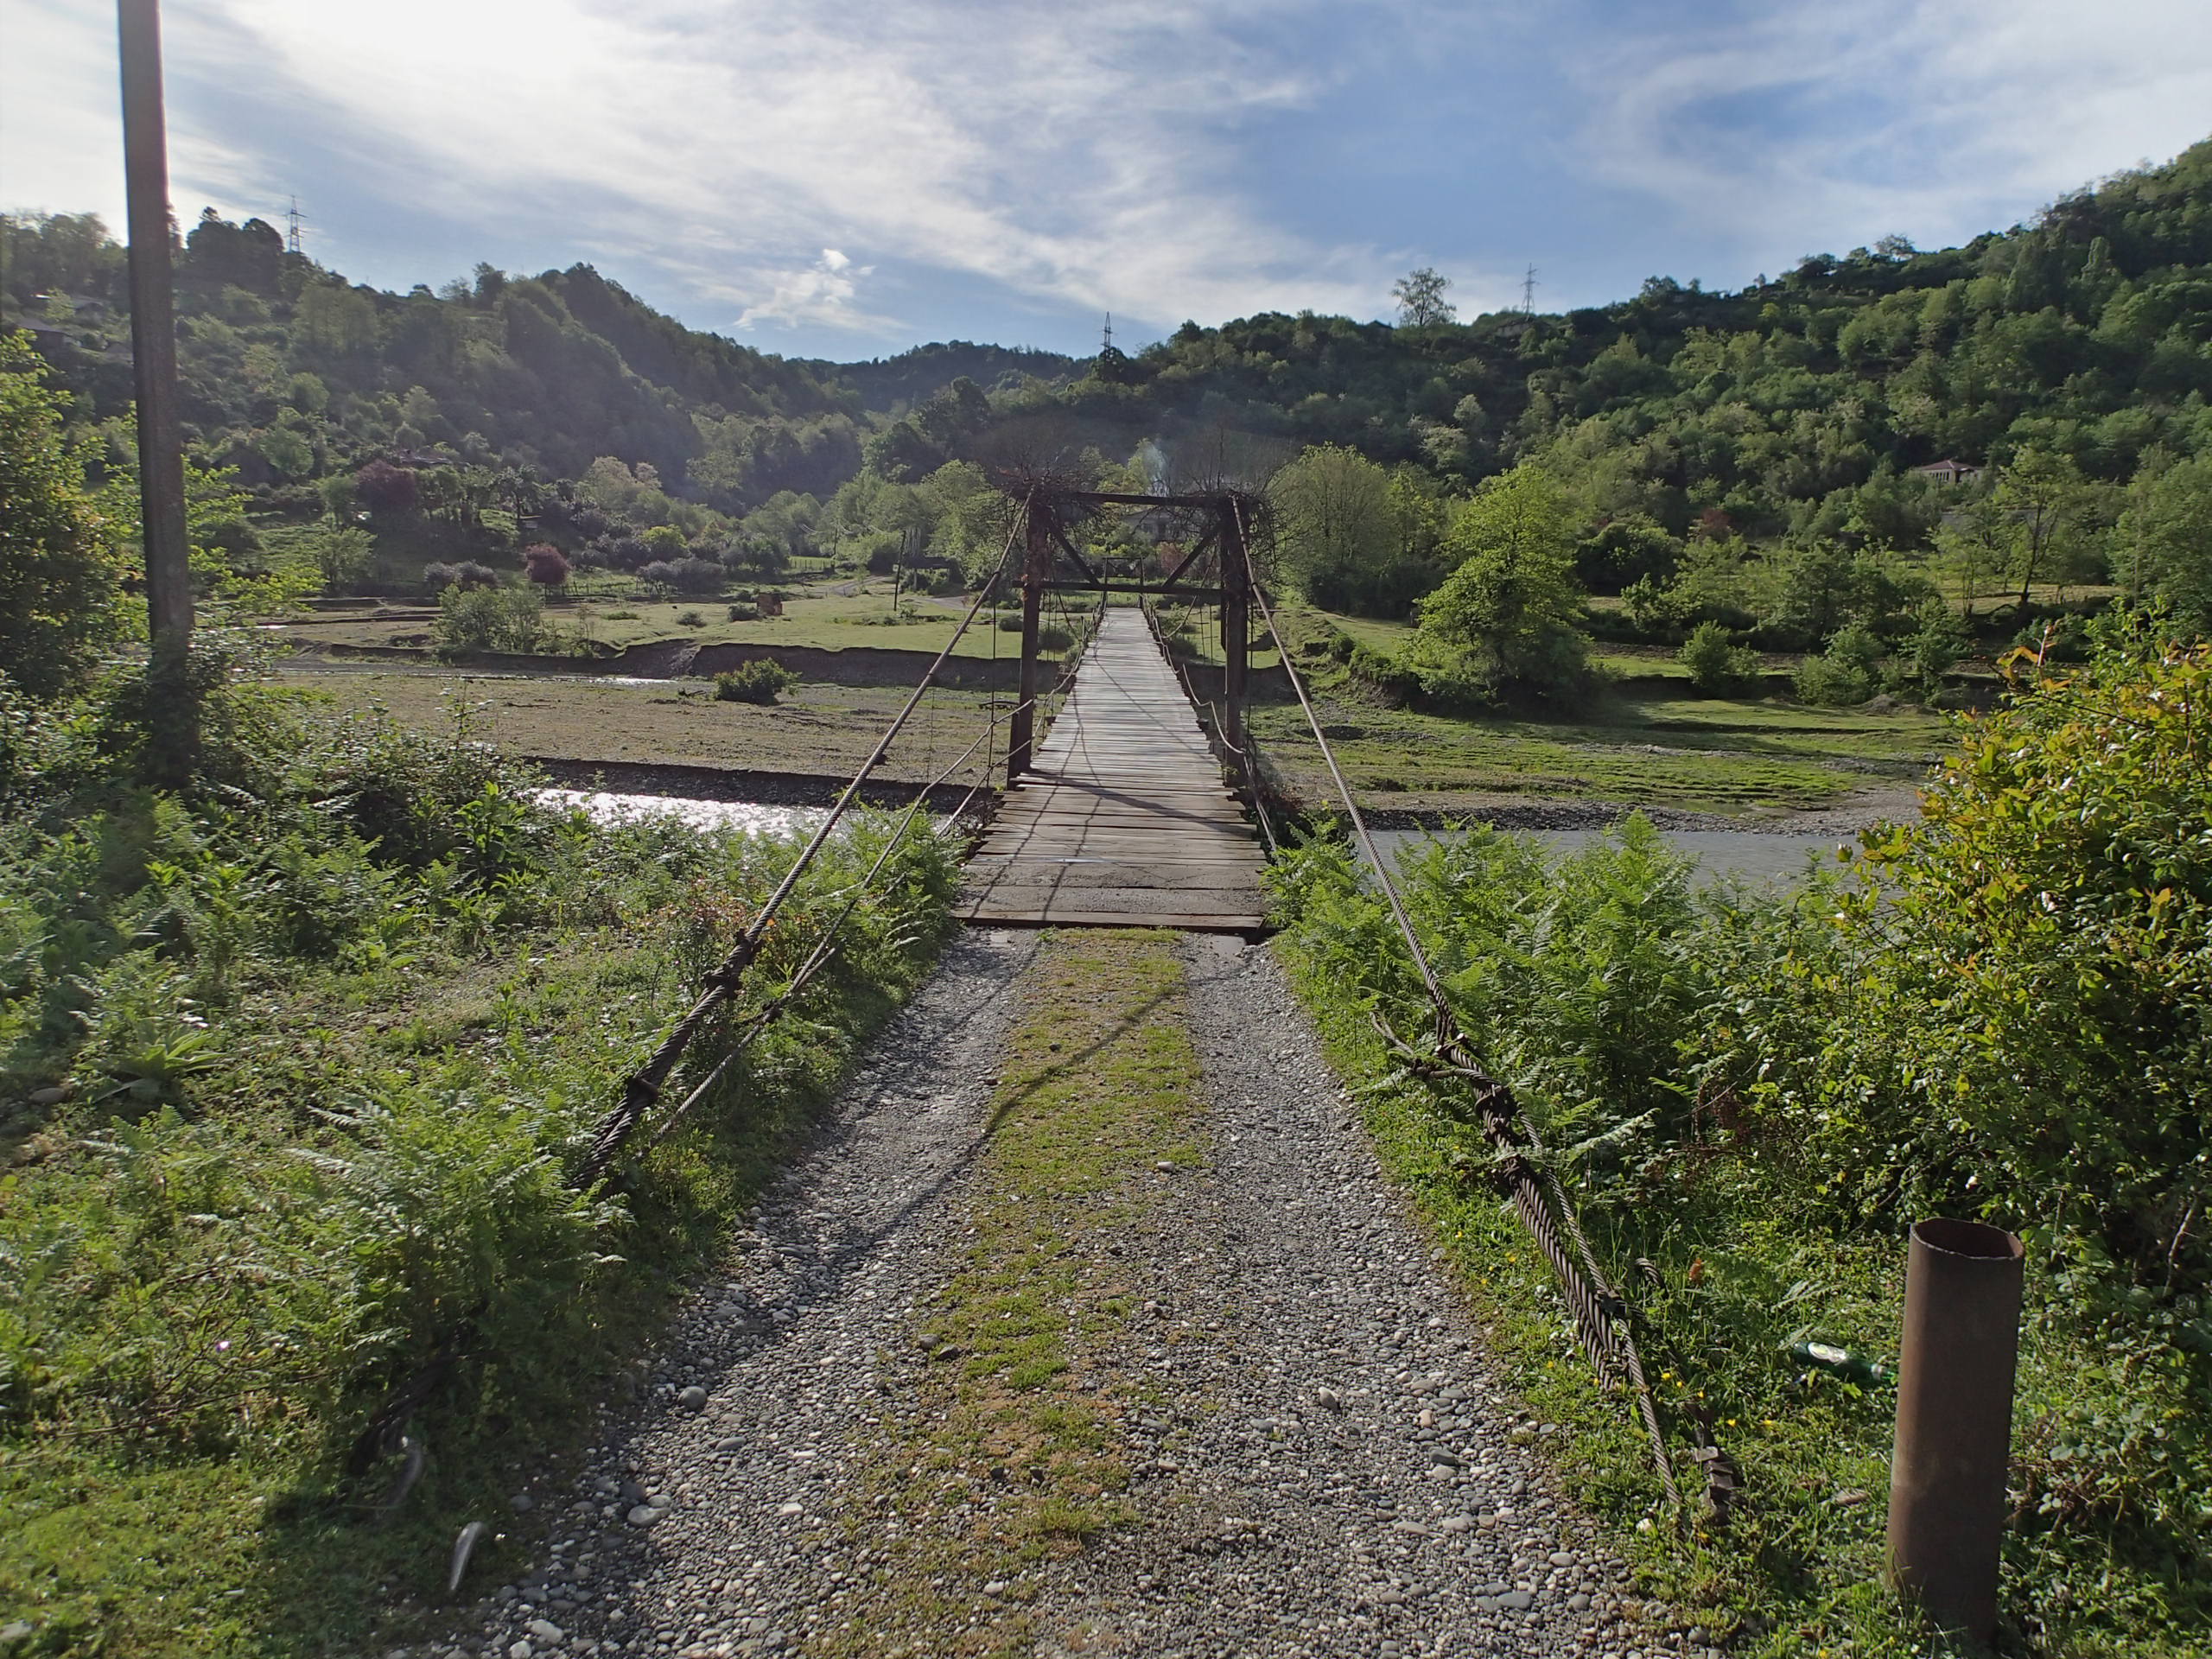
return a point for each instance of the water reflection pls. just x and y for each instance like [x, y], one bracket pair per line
[608, 807]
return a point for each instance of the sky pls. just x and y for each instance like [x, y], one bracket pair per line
[848, 178]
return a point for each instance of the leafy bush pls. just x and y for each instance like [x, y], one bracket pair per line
[1719, 667]
[745, 612]
[337, 1042]
[436, 578]
[691, 619]
[685, 576]
[61, 572]
[1997, 1011]
[761, 680]
[1848, 672]
[491, 618]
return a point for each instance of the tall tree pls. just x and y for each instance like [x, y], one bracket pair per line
[1513, 604]
[2044, 493]
[1420, 295]
[61, 576]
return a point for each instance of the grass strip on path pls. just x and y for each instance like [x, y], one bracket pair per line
[1005, 1447]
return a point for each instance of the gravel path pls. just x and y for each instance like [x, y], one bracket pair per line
[1337, 1474]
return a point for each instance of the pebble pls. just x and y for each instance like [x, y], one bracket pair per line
[1321, 1471]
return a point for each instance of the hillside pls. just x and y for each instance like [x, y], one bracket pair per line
[1794, 410]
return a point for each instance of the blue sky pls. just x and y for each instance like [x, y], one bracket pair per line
[846, 178]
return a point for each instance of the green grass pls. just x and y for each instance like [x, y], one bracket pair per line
[1639, 743]
[1010, 1453]
[1735, 757]
[204, 1293]
[815, 728]
[814, 617]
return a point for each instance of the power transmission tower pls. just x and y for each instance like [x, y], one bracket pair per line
[1108, 344]
[1529, 293]
[293, 220]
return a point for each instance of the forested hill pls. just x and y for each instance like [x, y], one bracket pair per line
[291, 374]
[891, 384]
[1787, 406]
[1796, 407]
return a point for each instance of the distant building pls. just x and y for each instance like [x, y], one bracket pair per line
[1949, 472]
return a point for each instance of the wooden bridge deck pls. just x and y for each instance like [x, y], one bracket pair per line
[1123, 821]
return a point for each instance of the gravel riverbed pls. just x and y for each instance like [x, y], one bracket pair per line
[1335, 1471]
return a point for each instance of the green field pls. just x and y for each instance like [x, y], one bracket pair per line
[816, 729]
[819, 617]
[1637, 743]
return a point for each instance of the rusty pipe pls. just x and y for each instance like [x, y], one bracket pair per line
[1955, 1370]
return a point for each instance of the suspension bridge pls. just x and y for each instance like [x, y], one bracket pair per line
[1131, 812]
[1123, 819]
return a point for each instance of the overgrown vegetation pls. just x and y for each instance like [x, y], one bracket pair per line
[1997, 1011]
[762, 680]
[298, 1067]
[1011, 1454]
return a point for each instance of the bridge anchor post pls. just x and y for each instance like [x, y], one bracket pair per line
[1236, 627]
[1036, 571]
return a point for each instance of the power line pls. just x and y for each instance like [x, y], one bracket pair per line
[293, 220]
[1529, 293]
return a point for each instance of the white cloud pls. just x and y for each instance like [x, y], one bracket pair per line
[1077, 160]
[1938, 118]
[823, 293]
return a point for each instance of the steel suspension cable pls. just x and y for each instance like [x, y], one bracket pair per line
[1601, 1320]
[643, 1087]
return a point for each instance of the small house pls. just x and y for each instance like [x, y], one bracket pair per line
[1949, 472]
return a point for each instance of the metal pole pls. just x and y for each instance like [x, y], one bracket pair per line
[1036, 569]
[1236, 626]
[1955, 1421]
[153, 344]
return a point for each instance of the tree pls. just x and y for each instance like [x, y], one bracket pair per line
[381, 487]
[1420, 295]
[1513, 604]
[343, 554]
[1719, 667]
[545, 564]
[1333, 519]
[2167, 536]
[61, 573]
[2044, 493]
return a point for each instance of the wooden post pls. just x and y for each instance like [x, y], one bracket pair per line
[1235, 626]
[153, 343]
[1036, 570]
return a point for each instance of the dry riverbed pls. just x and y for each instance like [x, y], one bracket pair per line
[1091, 1325]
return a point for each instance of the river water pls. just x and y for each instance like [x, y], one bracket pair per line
[1770, 858]
[608, 807]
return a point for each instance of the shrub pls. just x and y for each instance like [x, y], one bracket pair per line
[685, 576]
[761, 680]
[1718, 666]
[691, 619]
[436, 578]
[490, 619]
[745, 612]
[1847, 672]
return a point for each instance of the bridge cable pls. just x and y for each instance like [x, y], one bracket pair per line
[1600, 1314]
[643, 1087]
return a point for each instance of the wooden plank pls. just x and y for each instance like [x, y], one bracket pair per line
[1124, 820]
